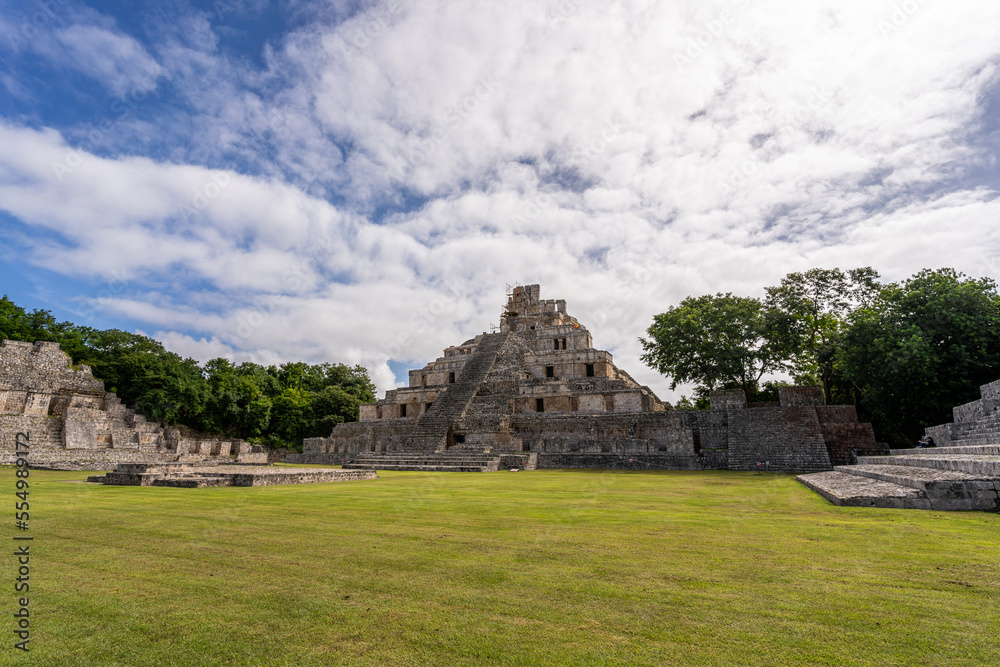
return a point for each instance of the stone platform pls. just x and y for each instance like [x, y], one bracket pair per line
[443, 462]
[197, 476]
[945, 478]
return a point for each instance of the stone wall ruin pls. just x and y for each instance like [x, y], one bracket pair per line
[74, 424]
[539, 386]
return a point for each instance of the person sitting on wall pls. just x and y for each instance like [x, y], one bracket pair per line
[926, 441]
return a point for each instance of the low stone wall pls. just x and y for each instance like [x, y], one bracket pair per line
[194, 476]
[384, 435]
[797, 434]
[620, 462]
[307, 476]
[620, 434]
[323, 459]
[847, 438]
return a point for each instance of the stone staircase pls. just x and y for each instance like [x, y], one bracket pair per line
[431, 432]
[963, 477]
[987, 430]
[451, 461]
[51, 437]
[445, 462]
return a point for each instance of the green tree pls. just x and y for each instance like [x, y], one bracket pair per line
[315, 398]
[922, 347]
[714, 341]
[807, 315]
[157, 383]
[238, 404]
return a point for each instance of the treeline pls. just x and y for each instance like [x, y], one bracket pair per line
[904, 353]
[273, 405]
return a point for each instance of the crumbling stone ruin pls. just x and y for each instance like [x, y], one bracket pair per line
[75, 425]
[973, 423]
[538, 393]
[193, 475]
[962, 471]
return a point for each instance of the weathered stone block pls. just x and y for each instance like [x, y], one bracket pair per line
[79, 435]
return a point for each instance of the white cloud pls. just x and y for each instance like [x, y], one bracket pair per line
[555, 142]
[115, 60]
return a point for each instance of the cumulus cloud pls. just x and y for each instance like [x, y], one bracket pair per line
[116, 61]
[412, 158]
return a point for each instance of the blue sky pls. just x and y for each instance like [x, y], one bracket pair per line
[357, 181]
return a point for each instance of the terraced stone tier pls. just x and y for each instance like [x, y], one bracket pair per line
[976, 464]
[194, 482]
[191, 476]
[947, 451]
[842, 488]
[409, 461]
[946, 489]
[932, 479]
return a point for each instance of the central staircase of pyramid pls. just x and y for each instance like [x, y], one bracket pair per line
[431, 431]
[965, 477]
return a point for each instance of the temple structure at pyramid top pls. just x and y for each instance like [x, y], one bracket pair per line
[538, 389]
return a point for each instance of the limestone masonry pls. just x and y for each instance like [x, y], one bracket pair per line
[538, 393]
[195, 476]
[961, 473]
[74, 424]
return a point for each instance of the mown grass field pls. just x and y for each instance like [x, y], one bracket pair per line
[536, 568]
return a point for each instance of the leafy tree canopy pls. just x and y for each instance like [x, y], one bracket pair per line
[276, 405]
[904, 353]
[923, 347]
[714, 341]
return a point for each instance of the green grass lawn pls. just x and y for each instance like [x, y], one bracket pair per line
[529, 568]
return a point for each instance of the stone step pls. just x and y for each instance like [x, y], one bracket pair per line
[432, 427]
[424, 468]
[428, 457]
[848, 490]
[946, 489]
[198, 482]
[421, 462]
[959, 449]
[977, 464]
[973, 442]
